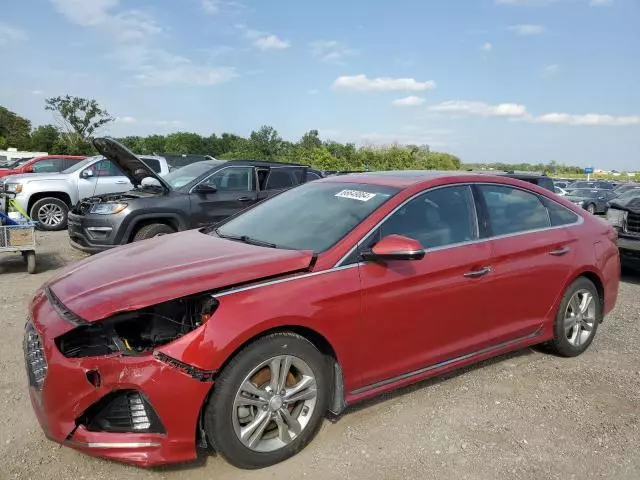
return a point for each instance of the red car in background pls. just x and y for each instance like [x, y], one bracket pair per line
[42, 164]
[242, 337]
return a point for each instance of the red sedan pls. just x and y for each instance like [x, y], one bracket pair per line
[42, 164]
[241, 338]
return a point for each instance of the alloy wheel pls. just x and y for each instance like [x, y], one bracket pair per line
[274, 403]
[50, 214]
[580, 318]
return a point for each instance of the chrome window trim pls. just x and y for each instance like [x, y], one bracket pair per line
[580, 220]
[283, 280]
[252, 167]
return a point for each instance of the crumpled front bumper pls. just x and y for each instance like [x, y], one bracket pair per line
[67, 392]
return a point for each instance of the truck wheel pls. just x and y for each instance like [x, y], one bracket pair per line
[50, 213]
[153, 230]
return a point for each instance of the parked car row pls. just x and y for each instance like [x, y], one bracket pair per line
[241, 336]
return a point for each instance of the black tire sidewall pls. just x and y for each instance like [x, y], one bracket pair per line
[591, 208]
[218, 412]
[560, 342]
[45, 201]
[152, 230]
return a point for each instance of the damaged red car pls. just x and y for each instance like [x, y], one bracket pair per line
[241, 338]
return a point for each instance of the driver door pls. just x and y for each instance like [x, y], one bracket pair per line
[101, 178]
[235, 191]
[420, 313]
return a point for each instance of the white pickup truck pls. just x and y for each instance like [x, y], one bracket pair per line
[47, 197]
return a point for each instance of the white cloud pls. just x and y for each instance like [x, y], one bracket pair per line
[9, 33]
[331, 51]
[37, 92]
[601, 3]
[126, 120]
[215, 7]
[381, 84]
[527, 30]
[262, 40]
[550, 70]
[211, 6]
[587, 119]
[487, 47]
[461, 107]
[410, 101]
[271, 42]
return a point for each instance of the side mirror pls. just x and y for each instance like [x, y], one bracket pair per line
[395, 247]
[86, 173]
[205, 189]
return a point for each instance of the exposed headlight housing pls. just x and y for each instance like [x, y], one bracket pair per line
[616, 217]
[13, 187]
[107, 208]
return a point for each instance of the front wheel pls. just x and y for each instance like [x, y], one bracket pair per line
[577, 320]
[153, 230]
[591, 208]
[269, 401]
[50, 213]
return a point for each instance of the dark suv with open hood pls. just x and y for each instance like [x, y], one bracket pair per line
[624, 215]
[198, 194]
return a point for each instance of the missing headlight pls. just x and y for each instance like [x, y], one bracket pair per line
[139, 331]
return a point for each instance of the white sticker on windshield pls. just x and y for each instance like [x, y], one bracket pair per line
[356, 195]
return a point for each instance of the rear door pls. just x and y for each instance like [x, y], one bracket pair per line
[531, 259]
[235, 191]
[283, 178]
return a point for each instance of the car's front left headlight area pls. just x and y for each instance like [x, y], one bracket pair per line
[107, 208]
[13, 187]
[138, 332]
[616, 217]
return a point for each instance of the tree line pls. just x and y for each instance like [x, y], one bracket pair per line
[78, 119]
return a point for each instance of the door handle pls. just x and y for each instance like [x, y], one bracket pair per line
[244, 199]
[560, 251]
[478, 273]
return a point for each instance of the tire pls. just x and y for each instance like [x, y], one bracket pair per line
[222, 416]
[50, 213]
[152, 230]
[591, 208]
[566, 341]
[31, 261]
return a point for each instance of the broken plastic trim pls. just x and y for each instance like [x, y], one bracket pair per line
[194, 372]
[61, 310]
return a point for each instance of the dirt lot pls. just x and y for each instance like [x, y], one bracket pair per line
[526, 415]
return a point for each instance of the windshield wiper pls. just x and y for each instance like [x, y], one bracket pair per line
[247, 239]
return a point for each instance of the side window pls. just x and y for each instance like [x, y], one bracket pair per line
[152, 163]
[105, 168]
[48, 166]
[443, 216]
[558, 214]
[234, 179]
[68, 163]
[512, 210]
[280, 178]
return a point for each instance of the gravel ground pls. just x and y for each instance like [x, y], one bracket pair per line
[526, 415]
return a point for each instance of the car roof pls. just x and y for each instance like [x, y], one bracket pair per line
[265, 163]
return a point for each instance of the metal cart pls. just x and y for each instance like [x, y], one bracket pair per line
[17, 237]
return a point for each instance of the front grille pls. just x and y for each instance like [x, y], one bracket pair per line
[633, 223]
[34, 358]
[122, 411]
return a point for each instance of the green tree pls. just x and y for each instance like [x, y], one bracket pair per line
[44, 138]
[154, 144]
[266, 142]
[184, 142]
[311, 139]
[82, 116]
[14, 129]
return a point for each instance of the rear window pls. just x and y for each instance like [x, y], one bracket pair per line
[558, 214]
[512, 210]
[152, 163]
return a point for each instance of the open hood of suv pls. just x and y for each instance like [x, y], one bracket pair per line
[631, 204]
[134, 168]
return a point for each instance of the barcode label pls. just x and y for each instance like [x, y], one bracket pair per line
[356, 195]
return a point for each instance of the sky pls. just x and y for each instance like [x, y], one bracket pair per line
[487, 80]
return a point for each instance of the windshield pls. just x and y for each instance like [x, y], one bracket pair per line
[81, 165]
[629, 194]
[18, 163]
[313, 216]
[586, 193]
[182, 176]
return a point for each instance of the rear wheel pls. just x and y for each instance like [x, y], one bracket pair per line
[153, 230]
[269, 401]
[591, 208]
[577, 320]
[50, 213]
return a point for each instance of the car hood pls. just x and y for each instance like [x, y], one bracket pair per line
[630, 204]
[134, 168]
[32, 177]
[145, 273]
